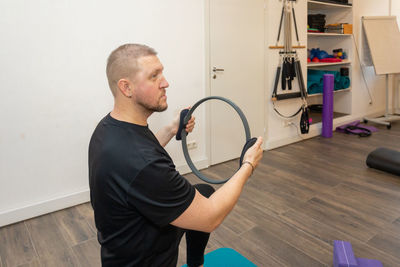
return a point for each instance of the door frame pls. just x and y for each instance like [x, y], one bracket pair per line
[207, 46]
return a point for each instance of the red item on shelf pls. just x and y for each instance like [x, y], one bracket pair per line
[330, 60]
[315, 59]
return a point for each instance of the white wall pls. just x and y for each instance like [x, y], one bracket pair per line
[54, 90]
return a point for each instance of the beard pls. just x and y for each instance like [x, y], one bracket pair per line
[160, 107]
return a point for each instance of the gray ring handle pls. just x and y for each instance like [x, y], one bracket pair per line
[184, 134]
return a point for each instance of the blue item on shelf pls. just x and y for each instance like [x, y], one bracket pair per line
[315, 81]
[344, 82]
[320, 54]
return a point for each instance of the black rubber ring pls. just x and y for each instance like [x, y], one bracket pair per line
[184, 133]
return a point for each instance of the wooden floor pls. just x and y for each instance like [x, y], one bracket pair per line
[301, 198]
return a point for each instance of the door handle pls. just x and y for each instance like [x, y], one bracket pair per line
[215, 69]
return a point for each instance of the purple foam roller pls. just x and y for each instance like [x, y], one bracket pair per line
[327, 105]
[343, 255]
[368, 263]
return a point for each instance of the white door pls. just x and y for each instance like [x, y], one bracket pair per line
[237, 47]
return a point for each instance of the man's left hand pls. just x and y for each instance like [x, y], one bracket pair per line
[189, 126]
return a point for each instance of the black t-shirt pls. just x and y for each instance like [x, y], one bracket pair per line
[135, 192]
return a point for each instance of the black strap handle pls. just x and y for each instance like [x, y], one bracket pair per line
[182, 124]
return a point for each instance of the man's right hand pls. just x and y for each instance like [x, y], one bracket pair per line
[255, 153]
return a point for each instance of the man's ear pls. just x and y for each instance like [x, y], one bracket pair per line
[125, 86]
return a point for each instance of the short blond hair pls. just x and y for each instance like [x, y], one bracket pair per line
[123, 63]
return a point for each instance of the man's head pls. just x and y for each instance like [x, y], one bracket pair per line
[135, 74]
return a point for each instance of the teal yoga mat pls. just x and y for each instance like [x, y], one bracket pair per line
[315, 79]
[225, 257]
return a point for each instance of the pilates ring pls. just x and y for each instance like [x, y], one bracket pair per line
[183, 135]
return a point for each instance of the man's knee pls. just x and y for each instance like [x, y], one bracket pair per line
[205, 189]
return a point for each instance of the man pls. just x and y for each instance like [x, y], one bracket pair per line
[142, 205]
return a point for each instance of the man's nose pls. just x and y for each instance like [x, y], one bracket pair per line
[164, 83]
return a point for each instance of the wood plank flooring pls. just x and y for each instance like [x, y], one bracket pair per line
[301, 198]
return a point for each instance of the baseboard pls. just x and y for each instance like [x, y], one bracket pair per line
[44, 207]
[315, 129]
[65, 201]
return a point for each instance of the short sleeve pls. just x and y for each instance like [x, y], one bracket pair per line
[160, 193]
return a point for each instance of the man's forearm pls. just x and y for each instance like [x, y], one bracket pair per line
[224, 199]
[206, 214]
[165, 135]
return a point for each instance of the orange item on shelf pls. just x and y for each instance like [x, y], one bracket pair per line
[347, 28]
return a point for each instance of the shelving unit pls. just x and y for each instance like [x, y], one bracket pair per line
[328, 34]
[337, 91]
[316, 5]
[335, 13]
[324, 64]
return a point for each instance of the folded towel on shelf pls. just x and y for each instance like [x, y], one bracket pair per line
[344, 83]
[315, 81]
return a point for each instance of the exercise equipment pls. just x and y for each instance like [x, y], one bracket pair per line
[225, 257]
[327, 102]
[315, 80]
[317, 53]
[361, 132]
[343, 256]
[182, 125]
[290, 68]
[317, 22]
[356, 128]
[185, 116]
[384, 159]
